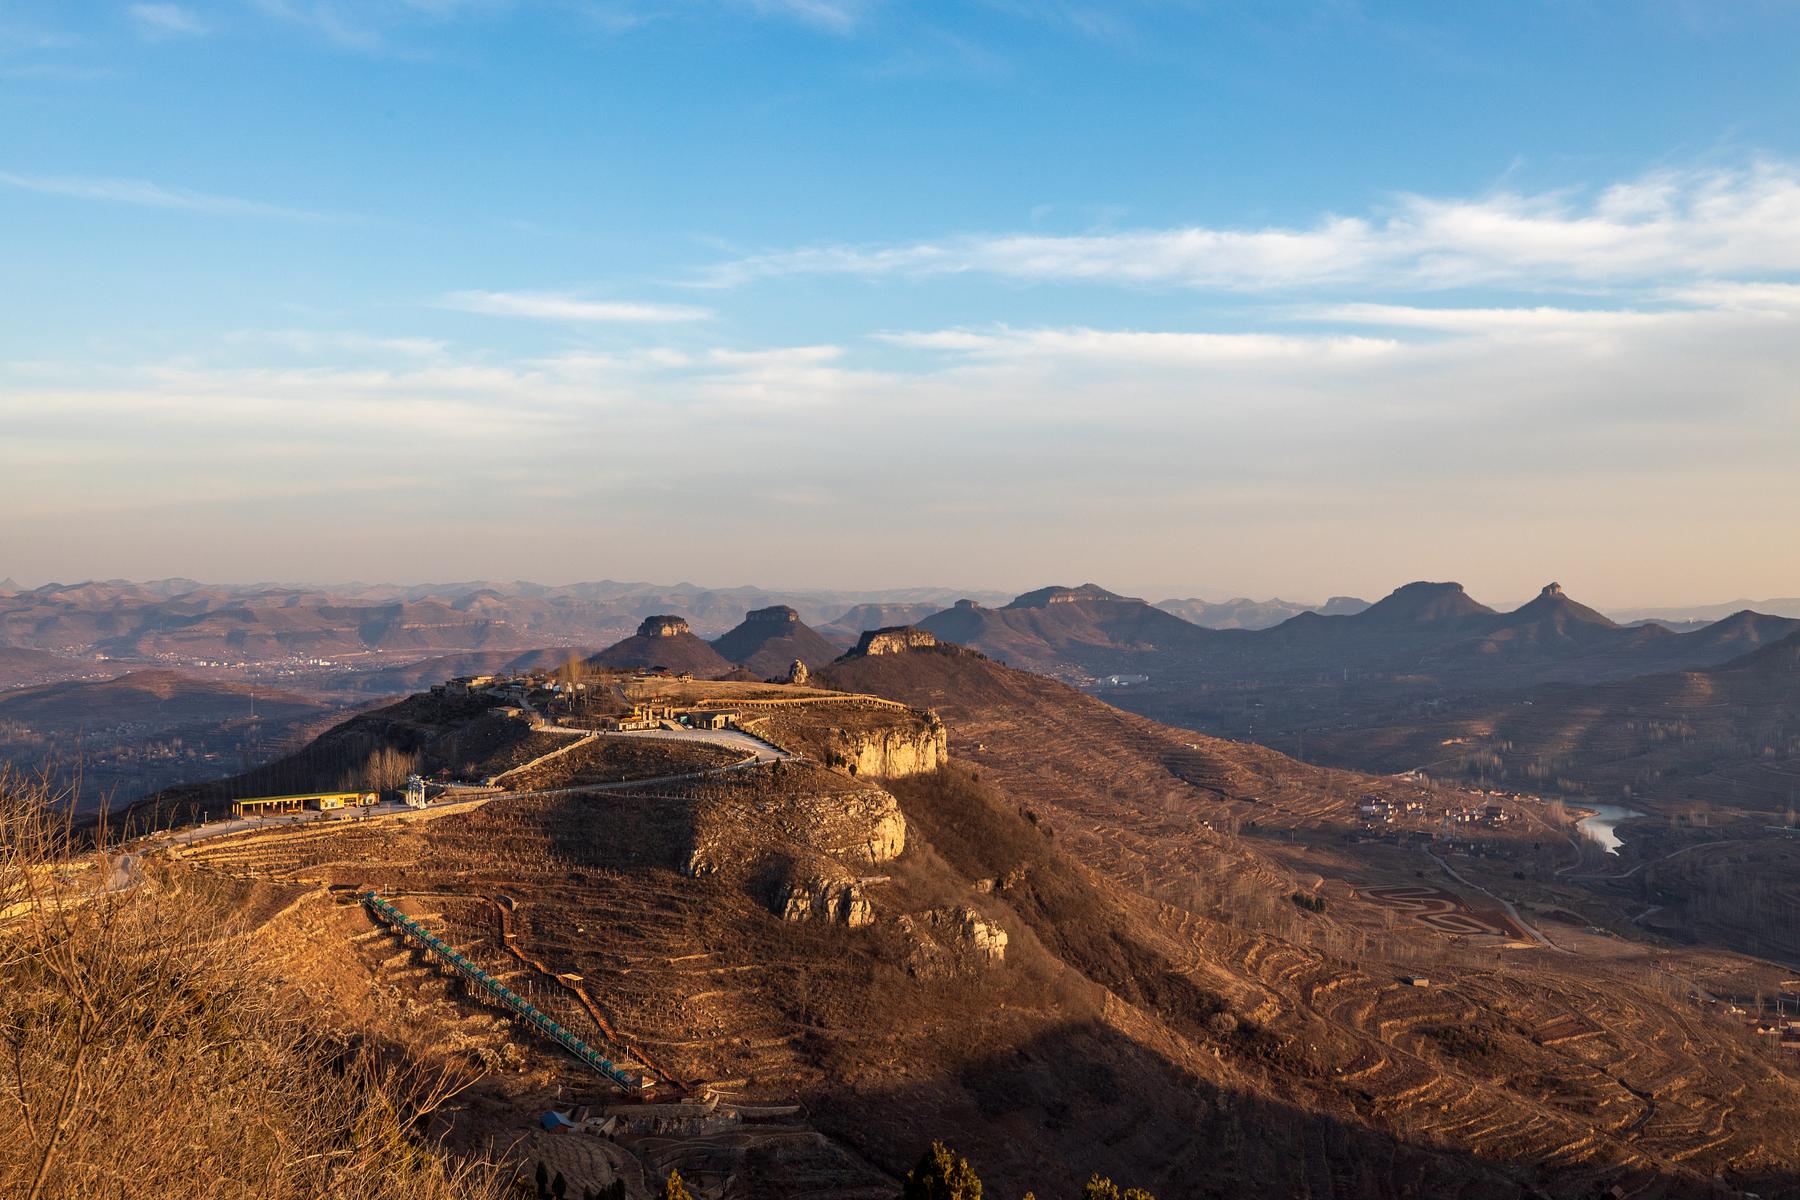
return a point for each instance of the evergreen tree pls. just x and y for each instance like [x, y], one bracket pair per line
[559, 1187]
[941, 1174]
[543, 1181]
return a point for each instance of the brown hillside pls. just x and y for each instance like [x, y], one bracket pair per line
[664, 643]
[771, 639]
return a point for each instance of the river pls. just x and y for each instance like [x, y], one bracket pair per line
[1601, 828]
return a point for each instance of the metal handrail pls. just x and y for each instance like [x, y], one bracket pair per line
[517, 1003]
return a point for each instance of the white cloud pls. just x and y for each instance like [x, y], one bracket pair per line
[1535, 434]
[314, 342]
[167, 20]
[1498, 321]
[145, 194]
[1711, 223]
[1145, 347]
[1767, 297]
[549, 306]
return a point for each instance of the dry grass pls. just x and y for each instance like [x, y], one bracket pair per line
[144, 1052]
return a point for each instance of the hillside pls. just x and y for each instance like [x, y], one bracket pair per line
[20, 667]
[1057, 627]
[1075, 950]
[125, 737]
[164, 698]
[1727, 736]
[664, 643]
[421, 674]
[771, 639]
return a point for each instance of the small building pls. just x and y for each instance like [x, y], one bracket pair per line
[464, 685]
[709, 718]
[261, 806]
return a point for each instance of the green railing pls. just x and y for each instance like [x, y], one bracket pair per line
[520, 1006]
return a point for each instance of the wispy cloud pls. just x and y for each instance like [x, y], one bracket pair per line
[549, 306]
[1143, 347]
[145, 194]
[1709, 223]
[398, 27]
[836, 16]
[167, 20]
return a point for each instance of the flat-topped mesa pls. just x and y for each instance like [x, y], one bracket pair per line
[1045, 597]
[664, 626]
[897, 639]
[775, 614]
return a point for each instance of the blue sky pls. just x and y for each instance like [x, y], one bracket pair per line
[1293, 298]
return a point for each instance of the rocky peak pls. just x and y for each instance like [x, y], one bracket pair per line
[966, 605]
[897, 639]
[1551, 589]
[664, 626]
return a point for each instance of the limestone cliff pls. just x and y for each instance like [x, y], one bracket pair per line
[828, 895]
[891, 752]
[897, 640]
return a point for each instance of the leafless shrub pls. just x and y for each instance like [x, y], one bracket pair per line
[145, 1052]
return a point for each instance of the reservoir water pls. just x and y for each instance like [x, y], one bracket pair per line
[1602, 826]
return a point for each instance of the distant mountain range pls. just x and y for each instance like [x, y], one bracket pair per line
[1242, 613]
[181, 620]
[1787, 606]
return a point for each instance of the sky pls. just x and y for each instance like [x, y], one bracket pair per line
[1187, 299]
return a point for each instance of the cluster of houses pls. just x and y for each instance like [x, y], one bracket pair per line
[1781, 1030]
[1374, 810]
[1377, 811]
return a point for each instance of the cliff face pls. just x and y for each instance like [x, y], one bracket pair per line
[890, 753]
[897, 640]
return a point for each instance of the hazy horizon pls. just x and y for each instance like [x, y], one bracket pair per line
[1280, 303]
[1153, 594]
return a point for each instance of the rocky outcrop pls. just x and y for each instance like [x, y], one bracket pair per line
[896, 640]
[798, 673]
[890, 753]
[664, 626]
[948, 941]
[828, 896]
[980, 936]
[798, 836]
